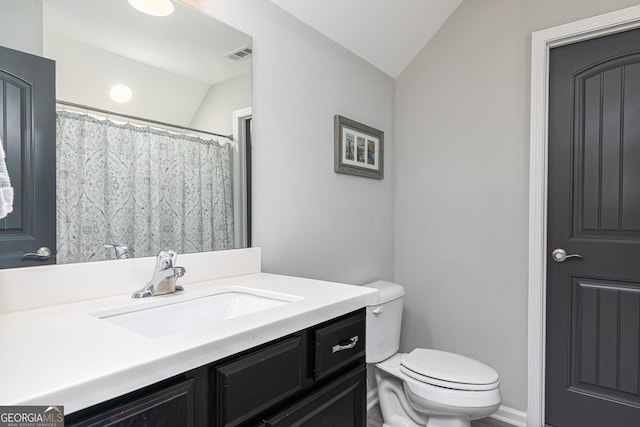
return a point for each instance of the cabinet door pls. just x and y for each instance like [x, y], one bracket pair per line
[342, 403]
[250, 385]
[169, 407]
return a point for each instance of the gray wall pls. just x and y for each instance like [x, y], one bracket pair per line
[21, 25]
[222, 99]
[462, 125]
[309, 220]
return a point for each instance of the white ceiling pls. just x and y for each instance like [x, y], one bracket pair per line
[187, 43]
[386, 33]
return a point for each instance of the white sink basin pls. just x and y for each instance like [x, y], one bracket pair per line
[184, 316]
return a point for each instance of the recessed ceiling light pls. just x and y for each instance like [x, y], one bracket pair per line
[120, 94]
[153, 7]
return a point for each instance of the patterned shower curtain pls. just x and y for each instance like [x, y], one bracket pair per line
[146, 188]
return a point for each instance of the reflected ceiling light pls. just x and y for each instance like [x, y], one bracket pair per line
[120, 94]
[153, 7]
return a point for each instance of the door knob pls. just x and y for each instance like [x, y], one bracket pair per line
[560, 255]
[42, 253]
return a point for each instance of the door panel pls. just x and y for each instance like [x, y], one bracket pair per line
[607, 102]
[606, 363]
[27, 128]
[593, 302]
[15, 105]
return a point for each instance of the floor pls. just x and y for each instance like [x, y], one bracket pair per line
[374, 419]
[489, 422]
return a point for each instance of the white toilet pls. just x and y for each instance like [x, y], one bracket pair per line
[424, 387]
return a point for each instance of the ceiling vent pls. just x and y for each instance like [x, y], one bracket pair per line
[240, 54]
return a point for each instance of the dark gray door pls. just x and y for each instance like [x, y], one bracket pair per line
[593, 302]
[27, 128]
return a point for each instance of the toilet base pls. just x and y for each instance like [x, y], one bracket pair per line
[397, 412]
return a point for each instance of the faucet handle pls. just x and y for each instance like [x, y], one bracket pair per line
[166, 259]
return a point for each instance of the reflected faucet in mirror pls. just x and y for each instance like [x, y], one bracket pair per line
[165, 275]
[122, 251]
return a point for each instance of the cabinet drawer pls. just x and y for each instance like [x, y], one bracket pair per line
[251, 384]
[339, 343]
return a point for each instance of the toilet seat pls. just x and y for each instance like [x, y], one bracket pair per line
[448, 370]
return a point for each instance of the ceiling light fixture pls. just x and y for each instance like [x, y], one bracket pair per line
[153, 7]
[120, 94]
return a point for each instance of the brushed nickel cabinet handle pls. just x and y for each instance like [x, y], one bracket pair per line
[338, 347]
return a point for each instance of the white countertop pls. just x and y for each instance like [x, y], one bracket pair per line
[65, 355]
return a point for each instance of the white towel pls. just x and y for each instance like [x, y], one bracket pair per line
[6, 191]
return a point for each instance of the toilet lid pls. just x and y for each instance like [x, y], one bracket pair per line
[448, 370]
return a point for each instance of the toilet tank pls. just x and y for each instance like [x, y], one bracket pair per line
[384, 319]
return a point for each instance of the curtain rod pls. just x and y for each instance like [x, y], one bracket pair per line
[142, 119]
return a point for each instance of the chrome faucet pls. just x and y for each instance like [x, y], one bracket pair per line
[164, 277]
[122, 251]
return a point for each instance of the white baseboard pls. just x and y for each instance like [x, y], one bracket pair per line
[510, 416]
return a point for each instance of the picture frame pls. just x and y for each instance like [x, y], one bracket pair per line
[358, 148]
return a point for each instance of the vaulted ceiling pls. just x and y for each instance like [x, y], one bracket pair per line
[386, 33]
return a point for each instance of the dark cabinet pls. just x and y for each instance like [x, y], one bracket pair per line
[170, 406]
[339, 343]
[339, 403]
[304, 371]
[178, 401]
[253, 383]
[314, 377]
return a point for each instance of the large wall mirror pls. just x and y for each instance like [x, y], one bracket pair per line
[153, 118]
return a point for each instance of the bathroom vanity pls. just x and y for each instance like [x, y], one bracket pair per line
[297, 377]
[299, 357]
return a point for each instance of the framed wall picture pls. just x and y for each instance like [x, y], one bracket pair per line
[359, 149]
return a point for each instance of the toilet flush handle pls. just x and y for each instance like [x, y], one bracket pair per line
[377, 310]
